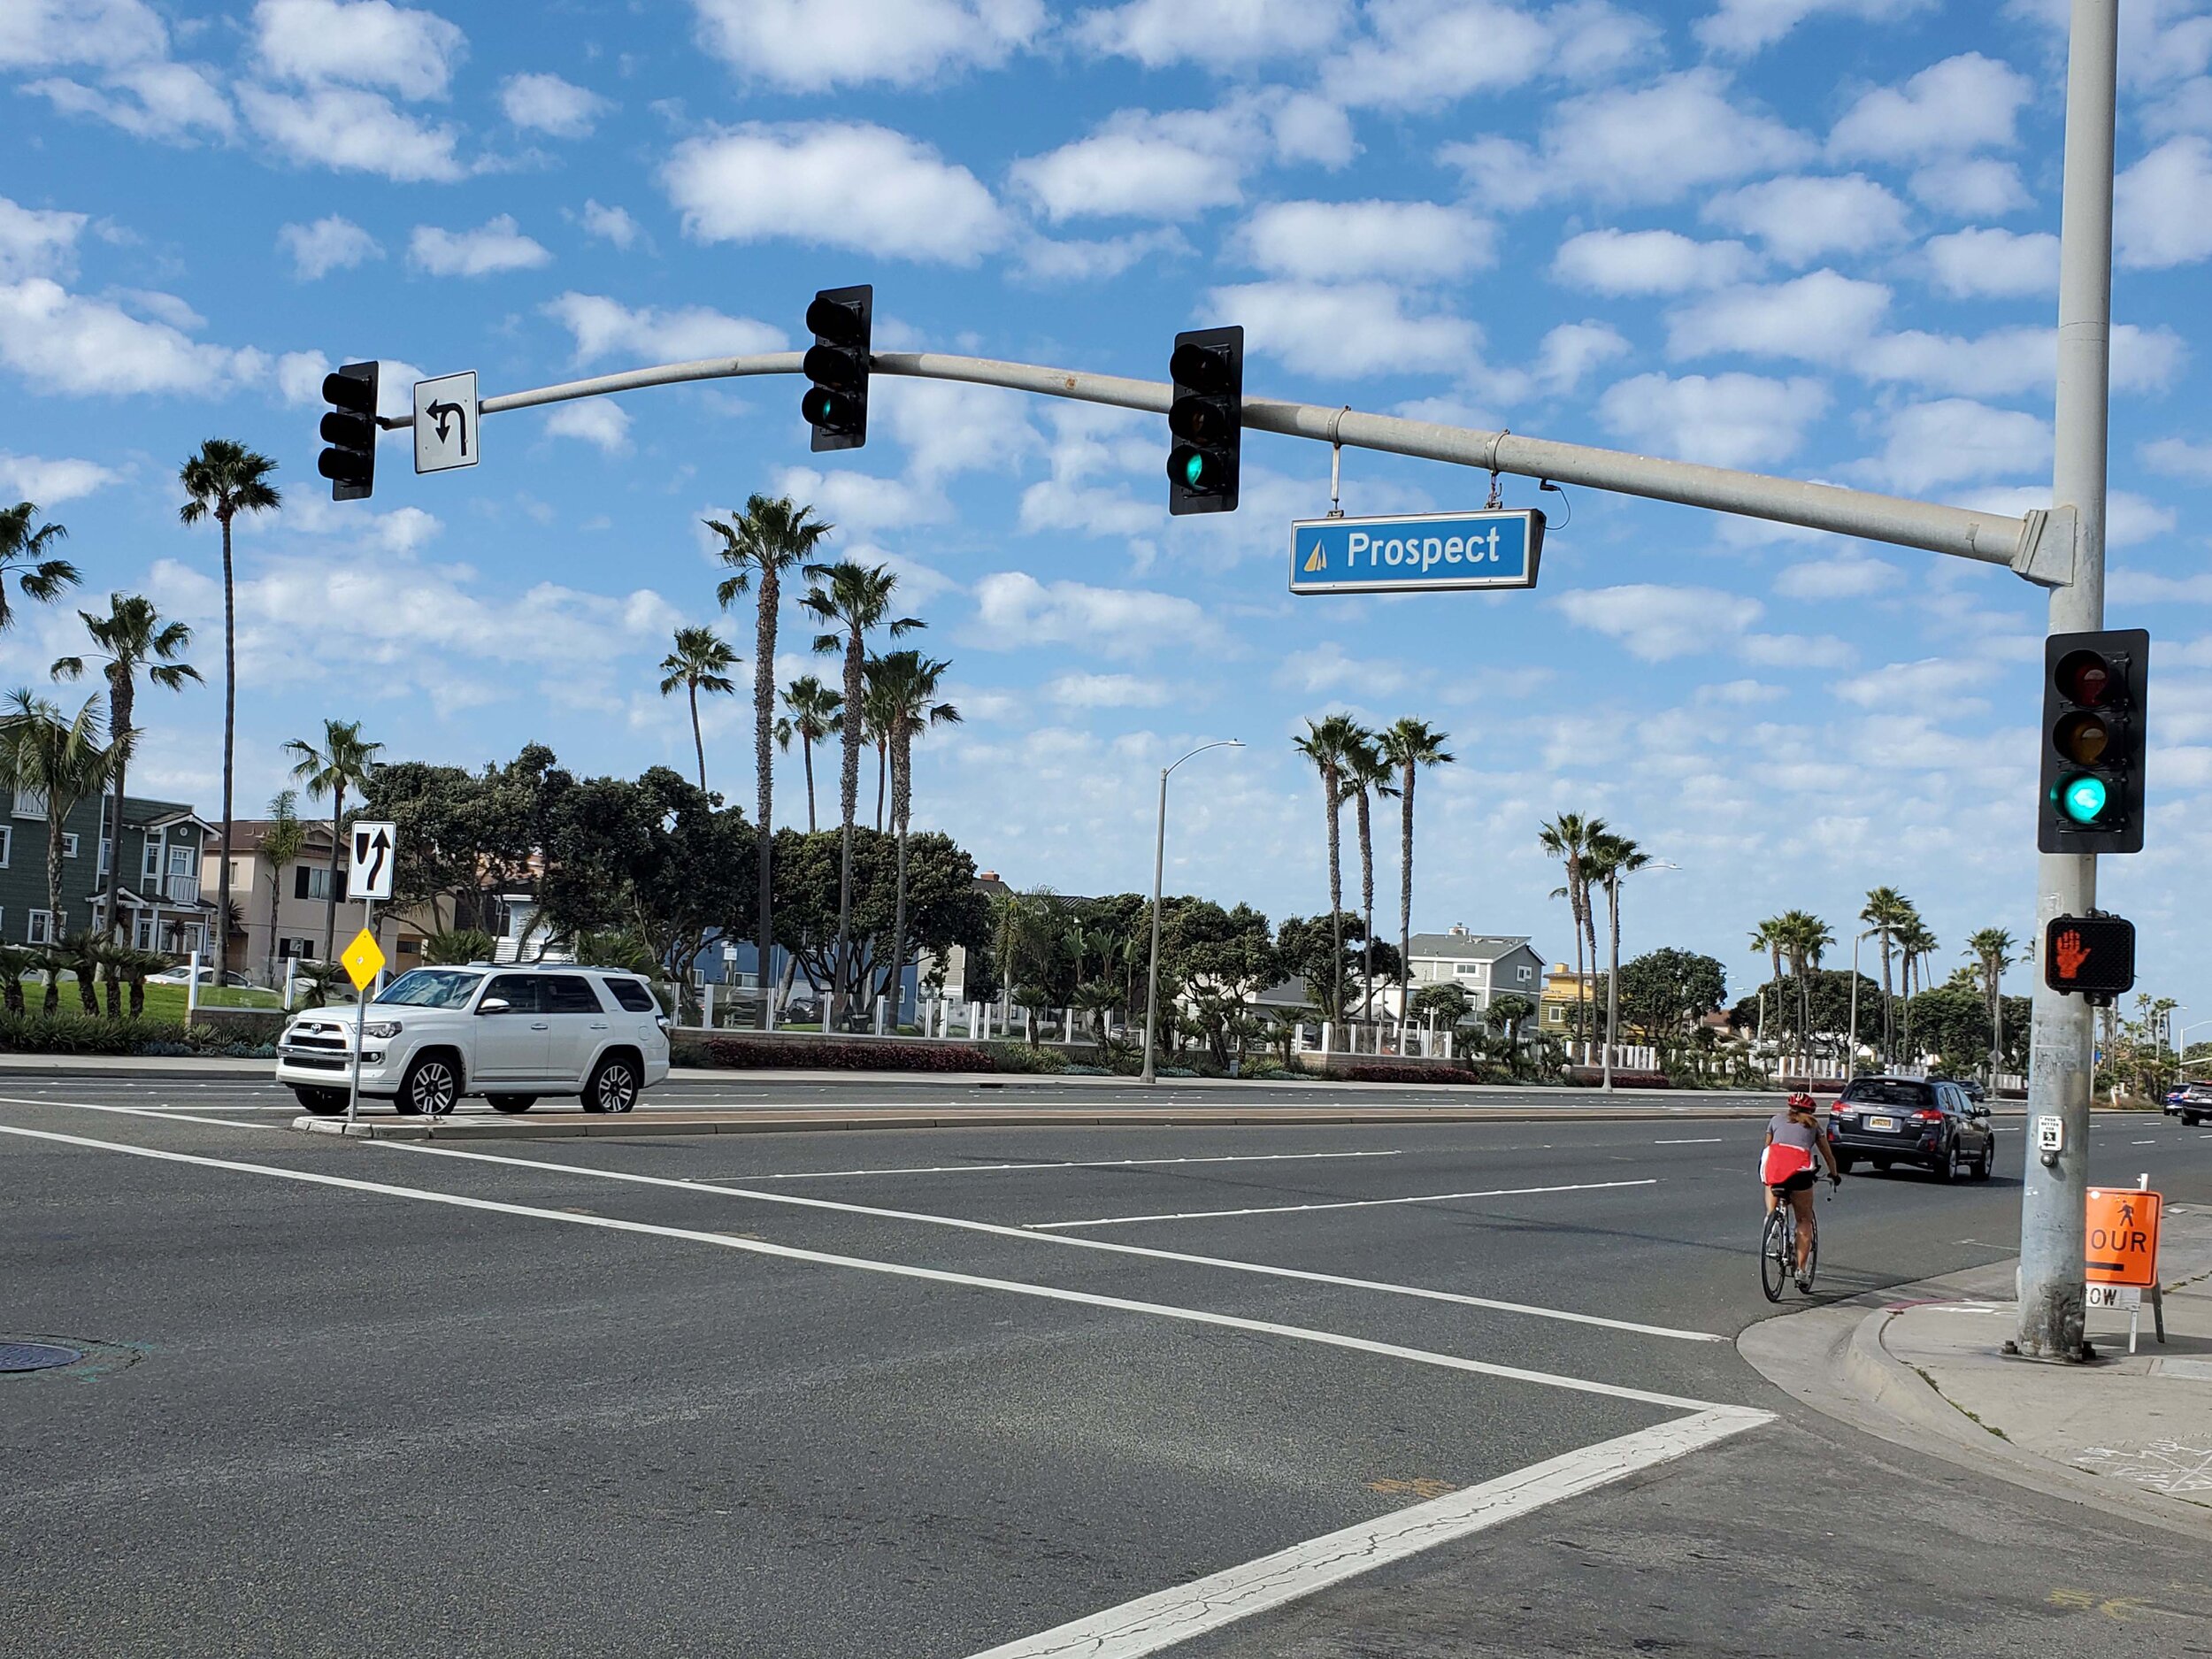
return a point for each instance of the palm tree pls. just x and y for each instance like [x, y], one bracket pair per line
[906, 682]
[1328, 744]
[342, 763]
[131, 636]
[1366, 770]
[1407, 745]
[774, 536]
[224, 480]
[1567, 838]
[697, 665]
[64, 763]
[39, 571]
[1886, 910]
[1991, 947]
[1609, 858]
[1771, 936]
[855, 598]
[1916, 944]
[876, 716]
[284, 840]
[812, 711]
[1805, 938]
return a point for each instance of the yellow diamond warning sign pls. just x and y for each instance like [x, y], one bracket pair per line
[363, 960]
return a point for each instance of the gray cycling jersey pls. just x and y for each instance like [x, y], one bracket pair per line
[1786, 1133]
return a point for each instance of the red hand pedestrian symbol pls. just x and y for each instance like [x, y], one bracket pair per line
[2071, 954]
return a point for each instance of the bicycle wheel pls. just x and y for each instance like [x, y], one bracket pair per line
[1775, 1248]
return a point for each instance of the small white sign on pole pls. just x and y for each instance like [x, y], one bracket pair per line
[445, 423]
[375, 849]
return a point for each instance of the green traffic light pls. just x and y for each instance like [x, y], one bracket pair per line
[1194, 469]
[2084, 799]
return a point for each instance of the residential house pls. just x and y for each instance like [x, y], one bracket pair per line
[158, 898]
[1485, 965]
[1563, 989]
[302, 890]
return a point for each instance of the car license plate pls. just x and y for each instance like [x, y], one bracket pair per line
[1882, 1125]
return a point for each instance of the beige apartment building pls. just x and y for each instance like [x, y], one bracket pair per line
[302, 890]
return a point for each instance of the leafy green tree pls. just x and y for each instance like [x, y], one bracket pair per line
[224, 480]
[699, 662]
[855, 600]
[1666, 992]
[1223, 959]
[454, 946]
[63, 762]
[345, 762]
[943, 909]
[463, 835]
[1323, 952]
[131, 637]
[283, 840]
[774, 537]
[812, 713]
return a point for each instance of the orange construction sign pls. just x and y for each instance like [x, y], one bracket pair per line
[2122, 1240]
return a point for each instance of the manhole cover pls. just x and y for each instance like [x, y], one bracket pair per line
[36, 1356]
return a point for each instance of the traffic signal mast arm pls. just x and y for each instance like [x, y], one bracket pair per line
[2039, 547]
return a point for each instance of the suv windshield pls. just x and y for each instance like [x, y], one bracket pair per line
[432, 988]
[1886, 1092]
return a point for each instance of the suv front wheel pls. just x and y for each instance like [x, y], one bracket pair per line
[431, 1088]
[613, 1086]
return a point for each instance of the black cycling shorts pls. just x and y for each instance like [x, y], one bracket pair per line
[1800, 1182]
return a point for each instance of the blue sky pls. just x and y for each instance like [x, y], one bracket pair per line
[1806, 237]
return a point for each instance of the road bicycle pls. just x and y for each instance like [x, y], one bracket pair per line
[1778, 1248]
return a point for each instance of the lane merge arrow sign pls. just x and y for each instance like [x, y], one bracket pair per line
[1415, 552]
[375, 850]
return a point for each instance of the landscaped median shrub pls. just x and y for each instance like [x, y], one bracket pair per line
[1396, 1072]
[81, 1034]
[1020, 1057]
[826, 1054]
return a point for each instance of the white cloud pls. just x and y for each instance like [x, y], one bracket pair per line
[1327, 669]
[896, 197]
[1335, 241]
[1955, 439]
[1045, 260]
[2130, 519]
[811, 45]
[1950, 678]
[496, 245]
[1798, 219]
[1016, 611]
[1657, 143]
[46, 33]
[1139, 164]
[1846, 576]
[327, 245]
[1953, 108]
[353, 131]
[1978, 188]
[598, 421]
[1108, 691]
[2162, 207]
[1997, 264]
[2176, 457]
[1358, 328]
[1654, 623]
[1625, 262]
[361, 43]
[1816, 318]
[547, 103]
[604, 326]
[860, 504]
[1570, 351]
[610, 224]
[1422, 52]
[299, 377]
[1722, 419]
[948, 427]
[50, 482]
[1157, 32]
[172, 102]
[1307, 127]
[1745, 25]
[61, 341]
[37, 241]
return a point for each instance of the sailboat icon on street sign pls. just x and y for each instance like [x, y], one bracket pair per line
[1316, 560]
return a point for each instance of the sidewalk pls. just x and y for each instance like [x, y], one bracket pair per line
[2129, 1434]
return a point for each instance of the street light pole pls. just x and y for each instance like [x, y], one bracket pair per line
[1851, 1048]
[2054, 1198]
[1159, 869]
[1613, 970]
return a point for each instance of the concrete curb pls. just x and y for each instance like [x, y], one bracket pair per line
[1833, 1359]
[768, 1122]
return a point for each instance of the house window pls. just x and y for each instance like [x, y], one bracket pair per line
[7, 845]
[69, 844]
[30, 803]
[1468, 970]
[312, 881]
[150, 869]
[107, 850]
[143, 935]
[1555, 1015]
[179, 860]
[1521, 974]
[41, 928]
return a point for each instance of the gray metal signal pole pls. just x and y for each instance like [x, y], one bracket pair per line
[2055, 1197]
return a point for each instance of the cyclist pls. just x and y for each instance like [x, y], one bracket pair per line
[1787, 1169]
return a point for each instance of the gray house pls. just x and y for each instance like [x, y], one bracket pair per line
[1485, 965]
[158, 896]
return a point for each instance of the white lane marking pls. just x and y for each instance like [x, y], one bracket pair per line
[163, 1114]
[1702, 1141]
[895, 1269]
[1170, 1618]
[964, 1224]
[2142, 1144]
[1061, 1163]
[1349, 1203]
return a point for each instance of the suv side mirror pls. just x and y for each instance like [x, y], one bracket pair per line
[495, 1005]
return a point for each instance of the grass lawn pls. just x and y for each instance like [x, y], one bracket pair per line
[166, 1001]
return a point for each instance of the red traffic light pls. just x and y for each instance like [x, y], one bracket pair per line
[2086, 677]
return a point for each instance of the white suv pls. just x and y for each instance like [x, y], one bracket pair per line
[510, 1034]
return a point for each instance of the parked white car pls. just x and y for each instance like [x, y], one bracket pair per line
[510, 1034]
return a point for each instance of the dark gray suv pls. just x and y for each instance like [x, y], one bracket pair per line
[1887, 1120]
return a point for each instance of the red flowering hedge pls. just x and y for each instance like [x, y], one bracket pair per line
[827, 1053]
[1388, 1072]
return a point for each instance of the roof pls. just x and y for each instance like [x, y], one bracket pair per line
[250, 832]
[1464, 946]
[141, 812]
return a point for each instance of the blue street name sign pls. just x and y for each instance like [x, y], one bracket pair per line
[1413, 552]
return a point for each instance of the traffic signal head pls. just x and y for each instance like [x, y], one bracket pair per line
[349, 429]
[2094, 741]
[835, 403]
[1205, 418]
[2092, 957]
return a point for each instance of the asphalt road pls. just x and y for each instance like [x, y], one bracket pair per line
[886, 1394]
